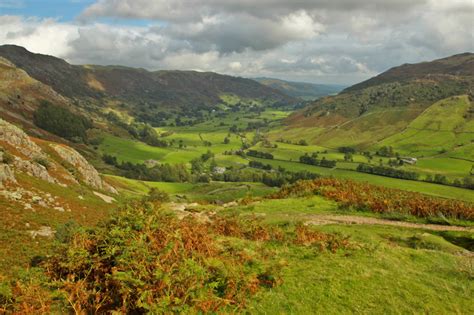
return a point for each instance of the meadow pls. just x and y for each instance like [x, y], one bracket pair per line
[190, 142]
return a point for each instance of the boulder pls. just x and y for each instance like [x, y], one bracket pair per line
[88, 173]
[19, 139]
[6, 174]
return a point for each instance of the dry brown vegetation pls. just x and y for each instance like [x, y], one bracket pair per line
[380, 199]
[145, 259]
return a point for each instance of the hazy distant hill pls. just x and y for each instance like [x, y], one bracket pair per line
[369, 112]
[303, 90]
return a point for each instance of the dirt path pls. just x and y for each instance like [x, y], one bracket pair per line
[324, 219]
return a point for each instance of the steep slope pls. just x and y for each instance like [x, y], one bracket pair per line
[303, 90]
[20, 96]
[43, 186]
[367, 113]
[164, 89]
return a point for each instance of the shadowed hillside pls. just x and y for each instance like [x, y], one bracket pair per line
[175, 89]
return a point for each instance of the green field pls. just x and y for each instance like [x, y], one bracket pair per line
[184, 192]
[194, 139]
[190, 142]
[443, 165]
[418, 271]
[422, 187]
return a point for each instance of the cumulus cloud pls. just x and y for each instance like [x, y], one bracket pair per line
[311, 40]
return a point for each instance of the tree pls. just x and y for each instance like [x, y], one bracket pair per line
[62, 122]
[197, 166]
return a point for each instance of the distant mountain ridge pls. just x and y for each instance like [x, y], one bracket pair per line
[303, 90]
[161, 88]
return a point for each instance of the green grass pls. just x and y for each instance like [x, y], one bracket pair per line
[381, 278]
[393, 270]
[193, 138]
[443, 165]
[184, 192]
[130, 150]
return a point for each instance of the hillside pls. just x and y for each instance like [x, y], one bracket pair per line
[442, 127]
[43, 185]
[303, 90]
[185, 90]
[458, 65]
[366, 113]
[20, 96]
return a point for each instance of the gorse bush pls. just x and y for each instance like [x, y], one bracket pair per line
[157, 195]
[147, 261]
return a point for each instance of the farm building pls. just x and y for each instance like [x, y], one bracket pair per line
[409, 160]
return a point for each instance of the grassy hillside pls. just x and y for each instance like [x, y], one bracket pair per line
[369, 112]
[293, 251]
[442, 127]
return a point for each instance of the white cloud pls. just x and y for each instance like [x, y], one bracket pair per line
[321, 41]
[45, 36]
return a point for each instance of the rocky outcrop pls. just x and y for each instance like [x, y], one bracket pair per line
[30, 157]
[88, 173]
[6, 175]
[20, 140]
[35, 170]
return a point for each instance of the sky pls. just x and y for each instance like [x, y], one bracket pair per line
[320, 41]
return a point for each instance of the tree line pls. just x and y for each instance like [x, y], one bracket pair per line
[387, 171]
[313, 160]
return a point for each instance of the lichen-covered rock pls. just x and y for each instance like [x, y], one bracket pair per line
[88, 173]
[35, 170]
[44, 231]
[19, 139]
[6, 174]
[31, 153]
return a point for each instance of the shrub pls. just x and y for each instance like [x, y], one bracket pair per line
[379, 199]
[258, 154]
[157, 195]
[146, 261]
[8, 158]
[42, 161]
